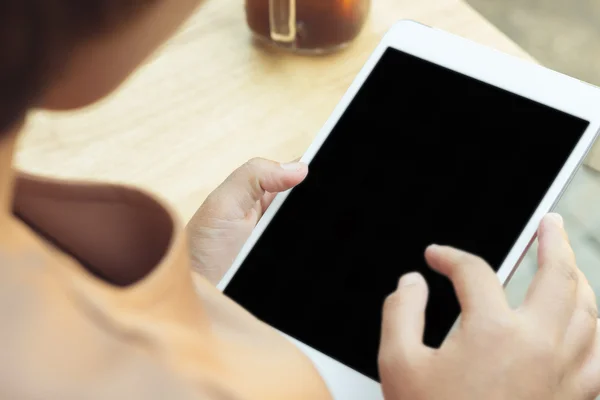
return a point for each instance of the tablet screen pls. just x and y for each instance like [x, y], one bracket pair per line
[422, 155]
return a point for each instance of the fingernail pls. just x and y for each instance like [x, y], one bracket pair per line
[295, 166]
[557, 219]
[446, 253]
[434, 249]
[411, 279]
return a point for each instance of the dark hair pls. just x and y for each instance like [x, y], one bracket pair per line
[35, 37]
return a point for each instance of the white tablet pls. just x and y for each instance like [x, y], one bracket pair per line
[438, 140]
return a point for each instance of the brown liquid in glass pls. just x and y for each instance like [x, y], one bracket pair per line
[321, 24]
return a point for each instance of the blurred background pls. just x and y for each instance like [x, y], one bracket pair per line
[563, 35]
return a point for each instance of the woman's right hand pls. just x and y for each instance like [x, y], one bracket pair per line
[549, 348]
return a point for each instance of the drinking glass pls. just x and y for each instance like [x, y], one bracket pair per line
[311, 26]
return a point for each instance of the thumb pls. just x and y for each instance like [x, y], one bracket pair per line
[249, 183]
[404, 318]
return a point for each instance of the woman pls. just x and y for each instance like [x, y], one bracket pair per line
[97, 297]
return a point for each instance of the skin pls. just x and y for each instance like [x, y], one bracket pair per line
[547, 349]
[226, 219]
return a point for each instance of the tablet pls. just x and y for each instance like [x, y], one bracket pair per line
[438, 140]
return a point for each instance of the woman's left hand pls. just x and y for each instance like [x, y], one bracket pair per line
[225, 221]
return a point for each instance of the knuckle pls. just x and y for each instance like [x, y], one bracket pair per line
[391, 303]
[387, 359]
[564, 268]
[590, 304]
[494, 330]
[254, 162]
[465, 264]
[463, 258]
[542, 351]
[246, 170]
[480, 263]
[471, 260]
[537, 344]
[395, 300]
[590, 308]
[394, 362]
[543, 348]
[504, 325]
[592, 311]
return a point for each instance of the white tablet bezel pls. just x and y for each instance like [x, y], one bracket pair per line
[518, 76]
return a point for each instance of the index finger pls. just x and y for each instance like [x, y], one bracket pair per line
[552, 295]
[477, 287]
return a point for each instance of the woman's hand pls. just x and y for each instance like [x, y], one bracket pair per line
[549, 348]
[224, 222]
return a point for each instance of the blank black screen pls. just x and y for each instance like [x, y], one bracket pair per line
[422, 155]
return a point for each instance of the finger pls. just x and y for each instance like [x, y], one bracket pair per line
[404, 320]
[270, 196]
[267, 200]
[249, 183]
[589, 377]
[582, 328]
[477, 287]
[551, 298]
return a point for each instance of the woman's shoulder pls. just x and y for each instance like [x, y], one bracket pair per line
[69, 333]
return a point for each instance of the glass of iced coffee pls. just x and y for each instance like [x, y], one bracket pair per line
[311, 26]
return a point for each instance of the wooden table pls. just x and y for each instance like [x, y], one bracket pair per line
[210, 100]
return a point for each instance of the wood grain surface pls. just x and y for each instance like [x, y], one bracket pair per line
[212, 99]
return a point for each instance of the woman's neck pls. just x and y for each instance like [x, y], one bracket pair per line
[8, 142]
